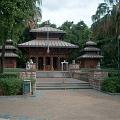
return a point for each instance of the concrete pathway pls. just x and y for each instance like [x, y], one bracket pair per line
[61, 105]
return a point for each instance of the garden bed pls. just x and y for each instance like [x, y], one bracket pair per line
[11, 84]
[111, 85]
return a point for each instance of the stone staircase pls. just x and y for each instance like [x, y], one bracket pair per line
[52, 74]
[58, 80]
[61, 86]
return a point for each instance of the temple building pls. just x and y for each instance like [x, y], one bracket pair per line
[90, 57]
[47, 50]
[10, 54]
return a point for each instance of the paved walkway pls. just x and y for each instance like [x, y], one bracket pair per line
[61, 105]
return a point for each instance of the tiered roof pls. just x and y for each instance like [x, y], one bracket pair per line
[47, 29]
[44, 42]
[90, 51]
[9, 49]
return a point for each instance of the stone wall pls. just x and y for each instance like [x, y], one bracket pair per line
[96, 78]
[80, 75]
[74, 67]
[28, 74]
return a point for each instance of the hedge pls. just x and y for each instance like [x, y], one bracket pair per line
[9, 75]
[111, 84]
[11, 86]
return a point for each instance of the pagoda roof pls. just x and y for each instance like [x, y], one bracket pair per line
[9, 47]
[47, 29]
[9, 41]
[10, 54]
[90, 48]
[91, 43]
[90, 51]
[46, 43]
[90, 56]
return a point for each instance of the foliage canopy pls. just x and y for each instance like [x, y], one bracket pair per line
[106, 29]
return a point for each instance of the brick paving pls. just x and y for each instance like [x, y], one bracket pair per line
[61, 105]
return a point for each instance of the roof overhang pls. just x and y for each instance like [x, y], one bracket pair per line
[10, 55]
[47, 29]
[86, 56]
[46, 43]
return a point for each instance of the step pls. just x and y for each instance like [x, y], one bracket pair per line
[62, 84]
[53, 86]
[60, 88]
[52, 74]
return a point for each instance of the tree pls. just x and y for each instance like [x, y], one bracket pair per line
[102, 9]
[106, 30]
[50, 24]
[77, 34]
[14, 13]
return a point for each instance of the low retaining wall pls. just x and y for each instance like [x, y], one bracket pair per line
[28, 74]
[95, 78]
[74, 67]
[81, 75]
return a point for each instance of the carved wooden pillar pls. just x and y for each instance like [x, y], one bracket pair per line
[58, 63]
[51, 63]
[44, 63]
[37, 63]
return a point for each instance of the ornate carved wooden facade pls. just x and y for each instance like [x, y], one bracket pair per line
[48, 49]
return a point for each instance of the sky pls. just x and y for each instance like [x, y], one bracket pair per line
[59, 11]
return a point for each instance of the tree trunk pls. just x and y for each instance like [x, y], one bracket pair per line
[2, 57]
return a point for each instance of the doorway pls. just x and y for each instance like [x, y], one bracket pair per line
[40, 63]
[55, 63]
[47, 65]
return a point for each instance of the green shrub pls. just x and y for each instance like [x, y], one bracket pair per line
[9, 75]
[113, 74]
[111, 84]
[11, 85]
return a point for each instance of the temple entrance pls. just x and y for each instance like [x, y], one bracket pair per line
[64, 65]
[55, 63]
[40, 63]
[47, 65]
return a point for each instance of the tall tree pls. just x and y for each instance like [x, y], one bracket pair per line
[14, 13]
[77, 34]
[106, 30]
